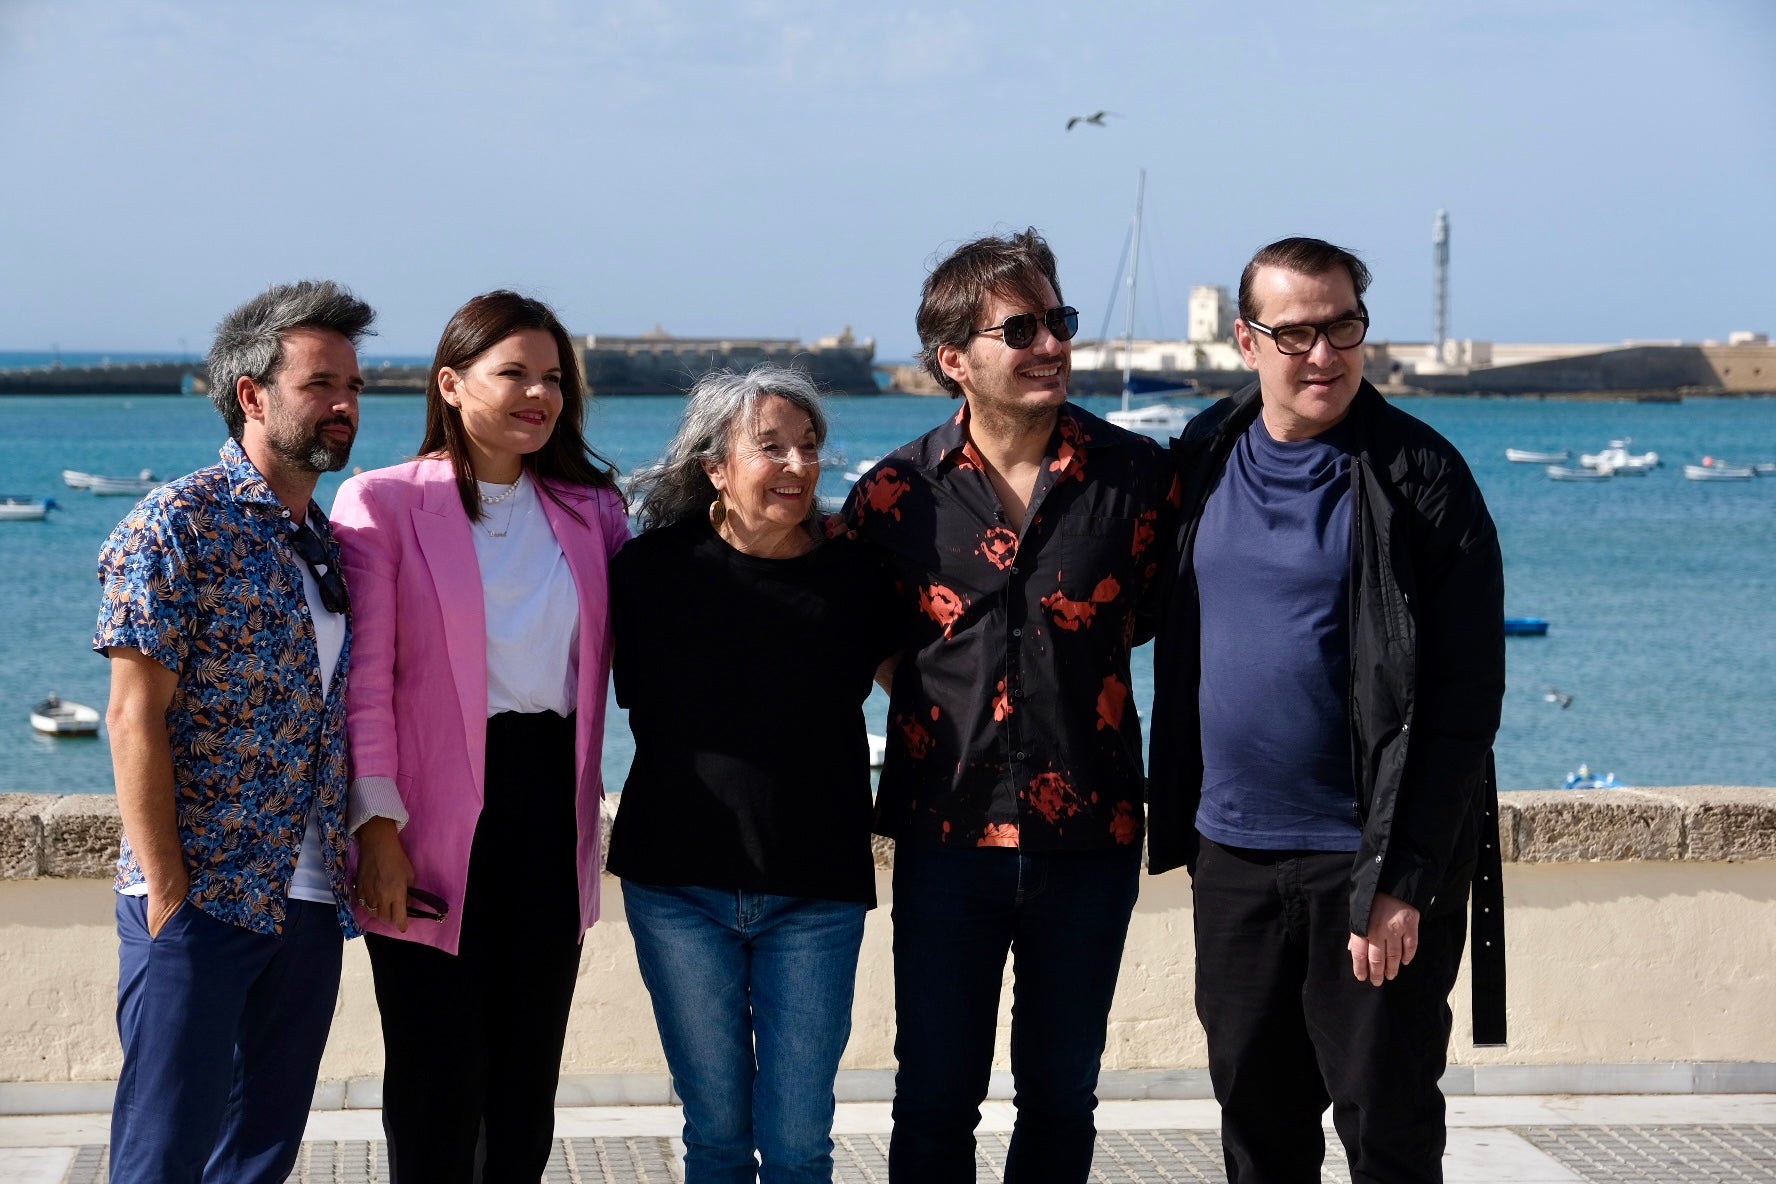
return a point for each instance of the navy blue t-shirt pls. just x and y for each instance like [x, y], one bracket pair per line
[1272, 564]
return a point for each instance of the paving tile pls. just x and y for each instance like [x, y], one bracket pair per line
[35, 1165]
[1544, 1153]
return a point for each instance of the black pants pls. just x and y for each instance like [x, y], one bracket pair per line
[473, 1040]
[1291, 1029]
[1063, 917]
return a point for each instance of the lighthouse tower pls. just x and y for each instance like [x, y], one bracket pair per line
[1440, 294]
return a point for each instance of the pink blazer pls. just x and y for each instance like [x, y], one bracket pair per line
[416, 696]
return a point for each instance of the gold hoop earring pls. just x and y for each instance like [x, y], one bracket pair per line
[718, 512]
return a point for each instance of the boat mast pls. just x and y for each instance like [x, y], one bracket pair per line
[1128, 337]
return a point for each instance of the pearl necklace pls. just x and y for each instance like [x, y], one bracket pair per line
[495, 500]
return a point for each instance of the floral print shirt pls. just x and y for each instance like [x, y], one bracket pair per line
[1010, 723]
[202, 577]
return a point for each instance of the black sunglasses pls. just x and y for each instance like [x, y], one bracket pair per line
[1020, 329]
[326, 573]
[1342, 333]
[427, 906]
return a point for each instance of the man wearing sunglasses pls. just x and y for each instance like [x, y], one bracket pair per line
[1026, 535]
[228, 629]
[1327, 688]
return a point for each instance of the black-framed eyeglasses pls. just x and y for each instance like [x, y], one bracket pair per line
[326, 572]
[1342, 333]
[1019, 329]
[427, 906]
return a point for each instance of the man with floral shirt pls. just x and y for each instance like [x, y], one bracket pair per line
[228, 629]
[1026, 538]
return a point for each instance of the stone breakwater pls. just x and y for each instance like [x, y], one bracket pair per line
[74, 836]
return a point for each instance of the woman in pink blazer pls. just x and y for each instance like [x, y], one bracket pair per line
[476, 716]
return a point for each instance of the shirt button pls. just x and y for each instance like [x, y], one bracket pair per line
[1014, 569]
[286, 513]
[1017, 632]
[304, 610]
[1021, 754]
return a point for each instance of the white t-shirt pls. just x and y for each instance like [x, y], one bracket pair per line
[532, 606]
[309, 880]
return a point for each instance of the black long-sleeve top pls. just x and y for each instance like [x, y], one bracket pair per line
[744, 679]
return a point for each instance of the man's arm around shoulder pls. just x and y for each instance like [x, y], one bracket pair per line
[142, 761]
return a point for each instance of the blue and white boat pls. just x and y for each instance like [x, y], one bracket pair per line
[15, 507]
[1584, 778]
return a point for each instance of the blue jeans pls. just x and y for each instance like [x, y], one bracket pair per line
[752, 995]
[222, 1031]
[1063, 916]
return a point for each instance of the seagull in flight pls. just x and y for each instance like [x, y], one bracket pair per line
[1555, 695]
[1096, 119]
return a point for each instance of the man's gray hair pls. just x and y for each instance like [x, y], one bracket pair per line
[250, 340]
[676, 487]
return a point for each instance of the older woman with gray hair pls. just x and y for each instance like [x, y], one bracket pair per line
[745, 644]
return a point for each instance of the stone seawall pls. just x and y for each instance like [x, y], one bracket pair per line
[73, 836]
[1641, 928]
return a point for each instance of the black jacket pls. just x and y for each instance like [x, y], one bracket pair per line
[1427, 676]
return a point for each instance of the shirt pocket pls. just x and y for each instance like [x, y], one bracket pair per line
[1088, 574]
[1087, 551]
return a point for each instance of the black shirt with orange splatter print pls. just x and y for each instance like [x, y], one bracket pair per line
[1010, 722]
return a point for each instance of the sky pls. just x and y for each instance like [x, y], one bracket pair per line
[791, 167]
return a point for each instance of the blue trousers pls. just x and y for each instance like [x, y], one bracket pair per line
[1063, 916]
[222, 1031]
[752, 994]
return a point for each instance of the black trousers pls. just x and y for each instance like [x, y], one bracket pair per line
[1291, 1029]
[473, 1041]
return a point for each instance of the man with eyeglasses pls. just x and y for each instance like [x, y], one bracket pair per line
[228, 628]
[1027, 538]
[1327, 688]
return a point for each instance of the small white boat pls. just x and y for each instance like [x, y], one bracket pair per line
[21, 508]
[75, 479]
[1715, 471]
[878, 750]
[1160, 419]
[1147, 405]
[141, 483]
[1618, 458]
[1765, 468]
[1523, 456]
[54, 717]
[1567, 473]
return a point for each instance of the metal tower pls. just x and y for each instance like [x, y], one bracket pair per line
[1440, 297]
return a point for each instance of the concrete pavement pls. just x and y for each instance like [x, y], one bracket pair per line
[1548, 1139]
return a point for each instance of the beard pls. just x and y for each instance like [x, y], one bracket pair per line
[302, 446]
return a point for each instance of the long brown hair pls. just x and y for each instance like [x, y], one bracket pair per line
[566, 459]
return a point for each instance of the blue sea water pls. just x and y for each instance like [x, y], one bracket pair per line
[1661, 592]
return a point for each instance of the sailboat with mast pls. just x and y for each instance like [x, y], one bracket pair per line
[1159, 417]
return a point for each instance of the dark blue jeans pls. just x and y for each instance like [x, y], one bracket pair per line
[752, 993]
[1063, 916]
[222, 1030]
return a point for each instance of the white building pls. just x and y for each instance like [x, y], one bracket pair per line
[1152, 356]
[1212, 313]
